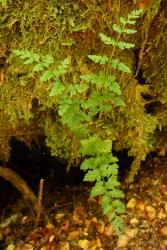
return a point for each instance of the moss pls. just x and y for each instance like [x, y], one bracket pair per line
[71, 28]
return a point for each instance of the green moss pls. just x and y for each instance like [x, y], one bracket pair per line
[70, 28]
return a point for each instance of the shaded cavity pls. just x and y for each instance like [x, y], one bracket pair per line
[33, 164]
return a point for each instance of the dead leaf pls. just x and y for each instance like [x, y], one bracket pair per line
[88, 222]
[52, 237]
[151, 212]
[73, 235]
[165, 189]
[6, 231]
[84, 244]
[131, 203]
[64, 245]
[78, 214]
[94, 219]
[95, 244]
[27, 247]
[109, 230]
[131, 232]
[100, 227]
[24, 219]
[123, 240]
[92, 199]
[166, 207]
[163, 230]
[50, 246]
[11, 247]
[161, 215]
[1, 234]
[140, 205]
[65, 226]
[50, 226]
[59, 216]
[134, 221]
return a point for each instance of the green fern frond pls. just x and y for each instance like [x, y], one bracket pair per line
[117, 28]
[135, 14]
[116, 64]
[101, 59]
[46, 76]
[62, 67]
[98, 189]
[30, 56]
[57, 88]
[107, 40]
[93, 175]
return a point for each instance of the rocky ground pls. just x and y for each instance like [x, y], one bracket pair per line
[77, 222]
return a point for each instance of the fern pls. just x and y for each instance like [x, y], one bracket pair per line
[82, 104]
[101, 59]
[102, 168]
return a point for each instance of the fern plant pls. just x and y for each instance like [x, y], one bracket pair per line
[83, 104]
[102, 167]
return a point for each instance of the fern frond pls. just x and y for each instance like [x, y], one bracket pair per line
[62, 67]
[125, 45]
[26, 54]
[107, 40]
[117, 28]
[101, 59]
[57, 88]
[116, 64]
[135, 14]
[93, 175]
[47, 75]
[98, 189]
[129, 31]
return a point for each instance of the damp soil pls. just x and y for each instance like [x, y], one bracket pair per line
[72, 220]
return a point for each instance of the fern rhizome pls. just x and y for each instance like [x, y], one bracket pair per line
[85, 105]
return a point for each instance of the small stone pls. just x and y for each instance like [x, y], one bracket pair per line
[131, 203]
